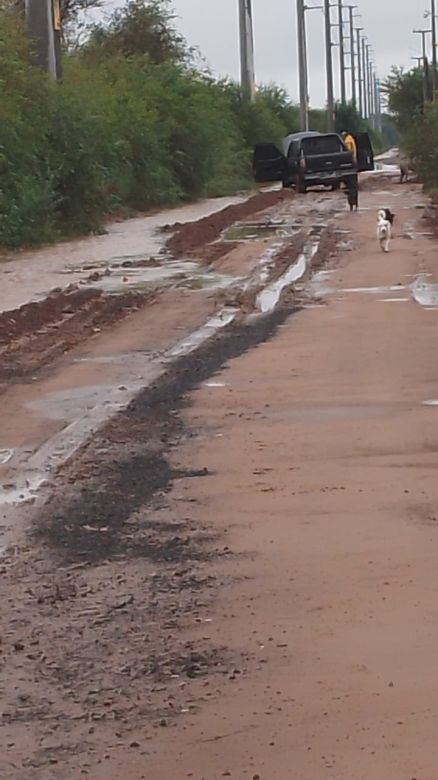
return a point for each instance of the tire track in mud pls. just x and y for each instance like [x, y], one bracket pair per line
[112, 572]
[122, 467]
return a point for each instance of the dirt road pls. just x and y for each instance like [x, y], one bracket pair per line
[236, 575]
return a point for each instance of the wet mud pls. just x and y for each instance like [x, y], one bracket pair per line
[36, 334]
[192, 237]
[125, 464]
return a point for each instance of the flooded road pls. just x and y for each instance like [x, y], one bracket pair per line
[230, 492]
[30, 275]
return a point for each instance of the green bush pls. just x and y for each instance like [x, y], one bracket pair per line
[132, 126]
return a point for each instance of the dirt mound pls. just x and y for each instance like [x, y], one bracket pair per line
[187, 239]
[37, 333]
[31, 316]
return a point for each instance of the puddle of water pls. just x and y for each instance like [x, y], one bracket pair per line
[120, 280]
[374, 290]
[425, 293]
[387, 168]
[186, 274]
[432, 402]
[251, 232]
[5, 456]
[394, 300]
[212, 326]
[21, 494]
[31, 275]
[345, 246]
[269, 297]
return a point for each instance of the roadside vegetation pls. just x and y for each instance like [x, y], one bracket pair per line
[416, 117]
[137, 122]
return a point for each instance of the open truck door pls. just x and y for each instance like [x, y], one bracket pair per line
[269, 164]
[365, 152]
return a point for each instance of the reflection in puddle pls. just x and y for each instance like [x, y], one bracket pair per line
[186, 274]
[375, 290]
[251, 232]
[270, 296]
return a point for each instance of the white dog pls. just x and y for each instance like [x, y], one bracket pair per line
[384, 230]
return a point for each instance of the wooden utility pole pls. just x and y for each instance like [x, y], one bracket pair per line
[302, 65]
[44, 25]
[247, 65]
[329, 67]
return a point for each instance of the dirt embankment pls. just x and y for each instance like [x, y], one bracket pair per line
[190, 238]
[37, 333]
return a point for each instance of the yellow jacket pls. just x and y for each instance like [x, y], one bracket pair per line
[350, 143]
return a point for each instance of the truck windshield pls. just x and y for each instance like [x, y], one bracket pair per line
[326, 144]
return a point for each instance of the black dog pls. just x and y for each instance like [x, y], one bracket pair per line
[389, 216]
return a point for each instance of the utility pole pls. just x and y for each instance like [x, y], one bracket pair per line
[378, 94]
[360, 71]
[329, 68]
[44, 25]
[342, 51]
[351, 9]
[365, 79]
[434, 53]
[423, 34]
[370, 85]
[372, 91]
[302, 65]
[247, 65]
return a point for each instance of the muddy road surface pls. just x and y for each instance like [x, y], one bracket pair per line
[218, 500]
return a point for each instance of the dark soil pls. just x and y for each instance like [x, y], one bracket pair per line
[123, 467]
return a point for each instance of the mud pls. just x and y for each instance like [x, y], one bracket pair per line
[126, 576]
[38, 333]
[125, 464]
[190, 238]
[145, 620]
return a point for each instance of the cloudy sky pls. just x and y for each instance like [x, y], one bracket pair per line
[211, 26]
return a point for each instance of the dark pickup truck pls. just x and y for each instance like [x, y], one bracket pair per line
[311, 159]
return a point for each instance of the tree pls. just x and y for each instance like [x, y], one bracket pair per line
[140, 27]
[347, 118]
[404, 90]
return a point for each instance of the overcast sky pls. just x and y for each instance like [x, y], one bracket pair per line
[211, 25]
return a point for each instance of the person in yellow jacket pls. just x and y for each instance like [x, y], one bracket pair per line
[351, 145]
